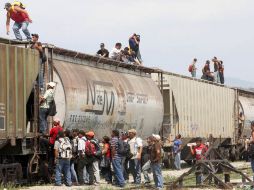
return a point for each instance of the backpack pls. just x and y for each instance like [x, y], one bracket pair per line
[124, 149]
[90, 149]
[190, 68]
[98, 152]
[52, 108]
[65, 148]
[18, 3]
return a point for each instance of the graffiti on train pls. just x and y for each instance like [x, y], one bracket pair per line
[137, 98]
[101, 97]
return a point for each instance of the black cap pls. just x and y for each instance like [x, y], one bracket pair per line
[35, 35]
[198, 139]
[102, 44]
[7, 5]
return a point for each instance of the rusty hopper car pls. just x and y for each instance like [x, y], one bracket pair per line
[18, 71]
[101, 95]
[92, 93]
[198, 108]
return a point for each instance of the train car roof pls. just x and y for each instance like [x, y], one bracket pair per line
[81, 55]
[97, 59]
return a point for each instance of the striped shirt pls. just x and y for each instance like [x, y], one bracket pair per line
[114, 144]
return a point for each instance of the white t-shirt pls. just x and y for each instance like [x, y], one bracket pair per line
[82, 145]
[114, 53]
[48, 96]
[135, 143]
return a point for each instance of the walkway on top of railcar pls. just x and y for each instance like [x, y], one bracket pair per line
[80, 55]
[108, 61]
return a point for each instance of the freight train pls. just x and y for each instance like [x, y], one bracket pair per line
[99, 94]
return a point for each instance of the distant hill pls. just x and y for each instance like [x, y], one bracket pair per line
[234, 82]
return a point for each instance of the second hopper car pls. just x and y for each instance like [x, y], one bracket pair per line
[198, 108]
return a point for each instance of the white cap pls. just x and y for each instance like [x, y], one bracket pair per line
[52, 84]
[56, 119]
[157, 137]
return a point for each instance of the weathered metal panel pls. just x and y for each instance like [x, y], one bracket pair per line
[18, 71]
[247, 106]
[203, 108]
[101, 99]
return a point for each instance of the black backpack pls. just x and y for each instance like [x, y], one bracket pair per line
[52, 108]
[124, 149]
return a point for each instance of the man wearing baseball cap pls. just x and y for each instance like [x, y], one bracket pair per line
[136, 147]
[45, 102]
[20, 16]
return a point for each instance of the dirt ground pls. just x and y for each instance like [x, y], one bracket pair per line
[168, 175]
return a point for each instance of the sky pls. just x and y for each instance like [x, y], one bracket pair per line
[173, 32]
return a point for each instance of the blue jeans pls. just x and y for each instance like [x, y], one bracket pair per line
[23, 25]
[216, 77]
[193, 73]
[43, 114]
[252, 166]
[146, 169]
[41, 75]
[157, 176]
[178, 160]
[73, 172]
[117, 166]
[63, 165]
[135, 170]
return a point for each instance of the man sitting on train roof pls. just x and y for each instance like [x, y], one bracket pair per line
[207, 75]
[116, 52]
[103, 52]
[45, 102]
[20, 16]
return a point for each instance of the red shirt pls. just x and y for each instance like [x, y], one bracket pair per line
[200, 151]
[108, 152]
[17, 16]
[53, 133]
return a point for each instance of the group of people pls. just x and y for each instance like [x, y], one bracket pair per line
[83, 159]
[18, 13]
[130, 55]
[216, 76]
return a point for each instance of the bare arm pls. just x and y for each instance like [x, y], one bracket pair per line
[192, 151]
[8, 23]
[105, 150]
[140, 149]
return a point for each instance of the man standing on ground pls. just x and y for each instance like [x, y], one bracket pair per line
[136, 147]
[63, 155]
[177, 151]
[52, 138]
[116, 159]
[155, 158]
[21, 18]
[103, 52]
[45, 102]
[96, 157]
[81, 156]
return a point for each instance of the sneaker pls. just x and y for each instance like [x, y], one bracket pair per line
[58, 184]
